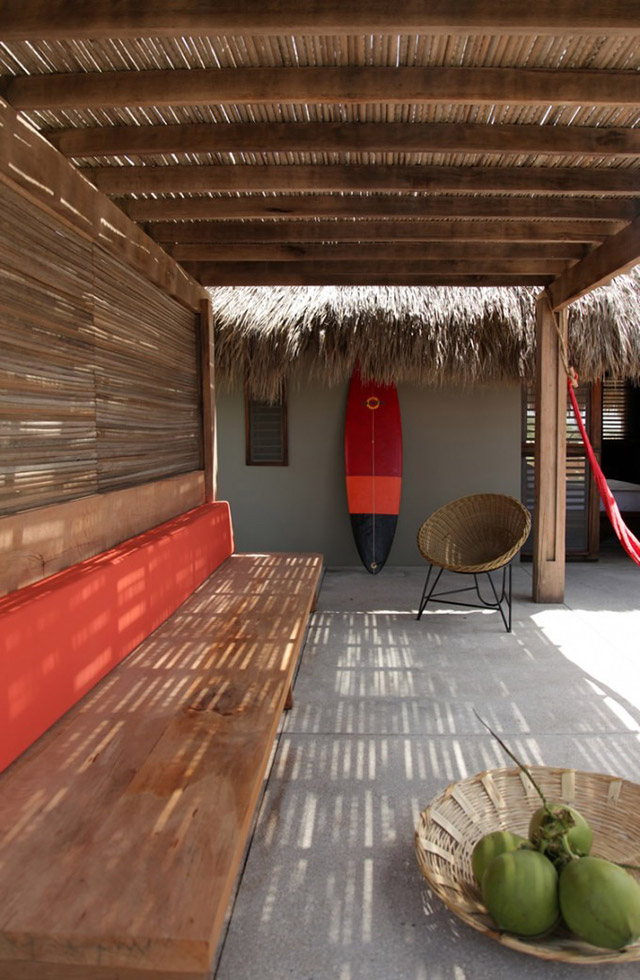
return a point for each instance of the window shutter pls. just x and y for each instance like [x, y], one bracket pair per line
[615, 410]
[578, 476]
[266, 432]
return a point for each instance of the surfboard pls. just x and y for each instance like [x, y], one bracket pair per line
[373, 467]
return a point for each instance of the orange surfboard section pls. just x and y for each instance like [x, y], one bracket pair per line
[374, 494]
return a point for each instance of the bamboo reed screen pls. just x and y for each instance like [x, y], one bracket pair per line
[99, 377]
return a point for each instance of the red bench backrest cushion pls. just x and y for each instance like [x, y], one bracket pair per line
[60, 636]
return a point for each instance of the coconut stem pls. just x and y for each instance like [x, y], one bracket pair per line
[511, 755]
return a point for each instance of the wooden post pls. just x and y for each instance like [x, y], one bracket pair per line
[550, 457]
[208, 401]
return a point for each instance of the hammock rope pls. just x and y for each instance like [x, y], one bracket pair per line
[626, 538]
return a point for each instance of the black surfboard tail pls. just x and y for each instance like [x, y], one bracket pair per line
[373, 534]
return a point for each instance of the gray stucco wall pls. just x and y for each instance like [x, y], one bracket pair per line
[455, 442]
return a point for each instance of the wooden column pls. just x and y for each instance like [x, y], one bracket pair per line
[208, 401]
[550, 457]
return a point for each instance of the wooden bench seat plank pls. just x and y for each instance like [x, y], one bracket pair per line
[122, 828]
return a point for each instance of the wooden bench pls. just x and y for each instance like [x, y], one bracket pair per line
[123, 827]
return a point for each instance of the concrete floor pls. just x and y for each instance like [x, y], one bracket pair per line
[383, 721]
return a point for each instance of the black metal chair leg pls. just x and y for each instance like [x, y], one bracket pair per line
[505, 598]
[502, 603]
[427, 595]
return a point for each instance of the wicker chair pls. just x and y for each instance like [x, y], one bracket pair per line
[477, 534]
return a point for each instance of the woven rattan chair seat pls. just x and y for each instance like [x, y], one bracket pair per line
[477, 533]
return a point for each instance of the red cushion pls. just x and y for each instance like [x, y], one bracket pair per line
[60, 636]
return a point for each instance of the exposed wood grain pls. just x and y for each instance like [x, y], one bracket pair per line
[35, 19]
[122, 828]
[38, 542]
[380, 205]
[615, 256]
[232, 233]
[416, 265]
[245, 177]
[550, 458]
[346, 137]
[281, 274]
[343, 86]
[28, 163]
[390, 251]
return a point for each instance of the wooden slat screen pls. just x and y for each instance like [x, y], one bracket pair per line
[99, 374]
[47, 404]
[266, 432]
[615, 410]
[578, 483]
[147, 380]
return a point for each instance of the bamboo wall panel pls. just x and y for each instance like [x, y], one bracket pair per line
[147, 379]
[47, 390]
[99, 369]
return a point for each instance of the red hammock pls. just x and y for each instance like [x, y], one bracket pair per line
[628, 540]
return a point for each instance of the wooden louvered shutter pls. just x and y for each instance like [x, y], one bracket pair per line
[582, 520]
[615, 410]
[266, 432]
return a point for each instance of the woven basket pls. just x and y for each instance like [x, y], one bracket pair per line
[504, 799]
[478, 533]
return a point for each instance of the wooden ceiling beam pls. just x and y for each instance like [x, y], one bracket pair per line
[379, 206]
[345, 138]
[303, 270]
[244, 177]
[391, 251]
[49, 19]
[279, 274]
[386, 230]
[341, 86]
[616, 256]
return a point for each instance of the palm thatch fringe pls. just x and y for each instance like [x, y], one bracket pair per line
[424, 335]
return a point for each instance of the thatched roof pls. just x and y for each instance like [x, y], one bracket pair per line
[424, 335]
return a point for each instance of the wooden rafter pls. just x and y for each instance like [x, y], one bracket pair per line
[281, 274]
[199, 179]
[306, 270]
[615, 256]
[385, 230]
[395, 86]
[561, 191]
[378, 252]
[36, 19]
[346, 137]
[383, 206]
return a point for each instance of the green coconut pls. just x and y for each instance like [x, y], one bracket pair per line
[491, 846]
[520, 890]
[600, 902]
[556, 825]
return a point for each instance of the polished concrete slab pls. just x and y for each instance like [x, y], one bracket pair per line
[384, 718]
